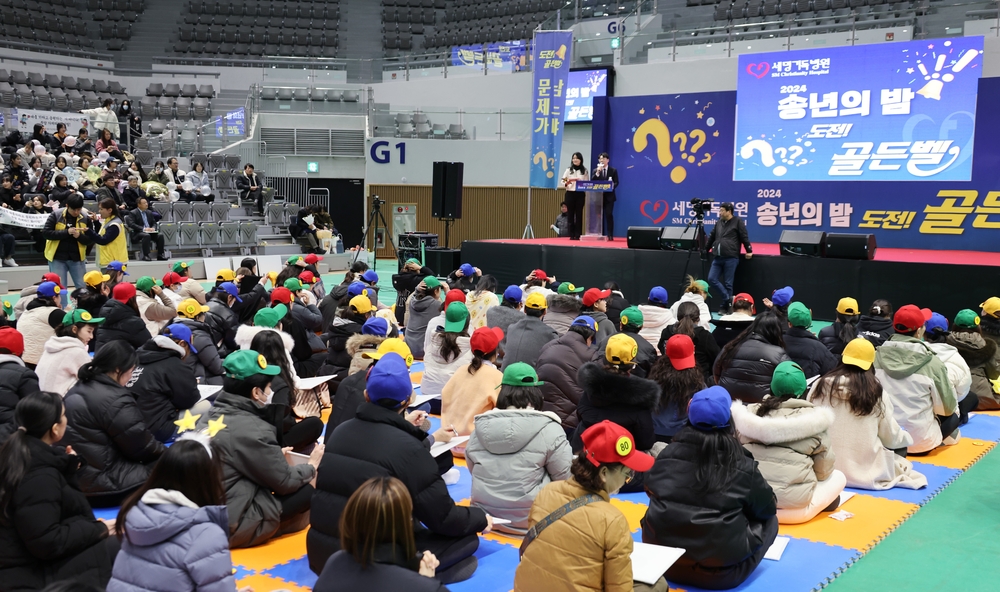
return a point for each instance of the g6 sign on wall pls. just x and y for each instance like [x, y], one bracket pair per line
[380, 152]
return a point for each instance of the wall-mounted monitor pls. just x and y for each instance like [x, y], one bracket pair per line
[584, 85]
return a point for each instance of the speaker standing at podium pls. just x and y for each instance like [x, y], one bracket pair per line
[606, 172]
[727, 236]
[575, 200]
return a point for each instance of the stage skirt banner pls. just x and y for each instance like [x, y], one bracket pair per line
[551, 57]
[12, 218]
[669, 149]
[27, 118]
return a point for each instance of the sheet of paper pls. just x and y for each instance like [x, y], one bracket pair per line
[777, 548]
[439, 448]
[305, 384]
[294, 458]
[207, 390]
[421, 399]
[846, 495]
[650, 562]
[500, 521]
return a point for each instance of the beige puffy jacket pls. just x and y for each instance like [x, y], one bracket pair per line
[791, 445]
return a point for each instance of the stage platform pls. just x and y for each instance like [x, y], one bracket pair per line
[945, 281]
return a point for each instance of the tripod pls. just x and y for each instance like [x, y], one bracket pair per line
[700, 246]
[373, 222]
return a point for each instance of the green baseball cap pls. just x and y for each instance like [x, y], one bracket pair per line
[270, 317]
[788, 379]
[799, 315]
[181, 266]
[294, 284]
[632, 317]
[431, 282]
[520, 374]
[244, 363]
[81, 316]
[455, 317]
[412, 260]
[294, 260]
[966, 319]
[704, 287]
[568, 288]
[146, 283]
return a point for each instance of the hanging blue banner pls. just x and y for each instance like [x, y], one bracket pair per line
[550, 73]
[505, 54]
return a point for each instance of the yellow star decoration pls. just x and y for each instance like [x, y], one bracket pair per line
[186, 423]
[699, 115]
[216, 425]
[642, 111]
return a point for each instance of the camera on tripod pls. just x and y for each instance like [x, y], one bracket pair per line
[700, 207]
[377, 202]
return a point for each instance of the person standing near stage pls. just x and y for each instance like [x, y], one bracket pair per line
[727, 236]
[575, 200]
[606, 172]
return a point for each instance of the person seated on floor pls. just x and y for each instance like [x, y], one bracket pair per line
[563, 306]
[465, 278]
[349, 322]
[163, 385]
[378, 549]
[266, 496]
[480, 300]
[837, 334]
[435, 325]
[706, 349]
[707, 496]
[656, 315]
[870, 445]
[876, 326]
[729, 326]
[590, 547]
[393, 446]
[631, 321]
[472, 389]
[559, 366]
[595, 306]
[510, 311]
[66, 352]
[802, 346]
[778, 303]
[48, 531]
[207, 363]
[916, 380]
[789, 439]
[17, 381]
[679, 378]
[174, 528]
[979, 354]
[157, 307]
[744, 367]
[373, 333]
[515, 450]
[936, 337]
[524, 339]
[697, 293]
[299, 434]
[122, 320]
[424, 305]
[106, 427]
[450, 349]
[541, 282]
[37, 320]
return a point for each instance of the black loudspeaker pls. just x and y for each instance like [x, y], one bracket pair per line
[850, 246]
[802, 242]
[675, 238]
[442, 261]
[643, 237]
[446, 194]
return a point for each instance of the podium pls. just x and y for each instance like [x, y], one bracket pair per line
[594, 207]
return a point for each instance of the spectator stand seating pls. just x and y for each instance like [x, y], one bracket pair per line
[419, 125]
[49, 92]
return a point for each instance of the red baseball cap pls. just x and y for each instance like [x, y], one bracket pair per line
[312, 259]
[53, 277]
[12, 340]
[486, 339]
[172, 279]
[307, 277]
[909, 318]
[748, 298]
[282, 295]
[540, 275]
[593, 295]
[123, 292]
[608, 442]
[454, 295]
[680, 350]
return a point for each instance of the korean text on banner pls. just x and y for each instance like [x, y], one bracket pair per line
[550, 72]
[27, 118]
[12, 218]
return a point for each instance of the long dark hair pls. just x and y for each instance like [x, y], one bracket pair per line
[848, 326]
[766, 325]
[377, 513]
[771, 403]
[676, 386]
[186, 467]
[114, 356]
[356, 269]
[863, 388]
[587, 474]
[109, 204]
[688, 316]
[487, 283]
[449, 343]
[582, 168]
[271, 345]
[717, 455]
[881, 308]
[477, 360]
[35, 415]
[520, 397]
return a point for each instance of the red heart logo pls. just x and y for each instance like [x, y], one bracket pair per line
[759, 70]
[660, 204]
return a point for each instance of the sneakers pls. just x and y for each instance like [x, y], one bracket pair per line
[9, 262]
[451, 477]
[952, 439]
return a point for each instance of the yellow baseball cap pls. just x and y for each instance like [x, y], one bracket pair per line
[95, 278]
[225, 275]
[859, 352]
[191, 308]
[621, 349]
[536, 301]
[991, 306]
[362, 304]
[392, 345]
[848, 306]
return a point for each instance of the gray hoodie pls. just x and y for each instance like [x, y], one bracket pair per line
[419, 312]
[503, 317]
[562, 309]
[524, 340]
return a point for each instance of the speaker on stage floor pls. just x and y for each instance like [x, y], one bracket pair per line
[850, 246]
[808, 243]
[643, 237]
[446, 193]
[442, 261]
[675, 238]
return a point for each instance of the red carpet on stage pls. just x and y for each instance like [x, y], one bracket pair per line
[881, 254]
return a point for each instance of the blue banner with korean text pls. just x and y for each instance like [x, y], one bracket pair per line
[501, 55]
[880, 112]
[550, 71]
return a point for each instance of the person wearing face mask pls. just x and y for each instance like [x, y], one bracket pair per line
[133, 120]
[106, 427]
[265, 495]
[158, 175]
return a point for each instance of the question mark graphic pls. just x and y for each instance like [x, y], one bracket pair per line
[552, 165]
[540, 159]
[707, 159]
[782, 152]
[681, 139]
[766, 155]
[660, 133]
[794, 152]
[699, 141]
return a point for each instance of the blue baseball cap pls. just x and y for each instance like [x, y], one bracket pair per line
[658, 295]
[48, 290]
[356, 289]
[118, 266]
[783, 296]
[181, 332]
[513, 293]
[229, 288]
[467, 269]
[584, 321]
[375, 326]
[370, 276]
[709, 408]
[937, 321]
[389, 379]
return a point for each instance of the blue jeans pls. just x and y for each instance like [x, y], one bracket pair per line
[720, 277]
[76, 269]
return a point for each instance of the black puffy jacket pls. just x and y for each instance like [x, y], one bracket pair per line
[89, 300]
[121, 322]
[748, 375]
[616, 304]
[163, 386]
[106, 428]
[643, 360]
[717, 529]
[706, 348]
[16, 383]
[558, 366]
[207, 364]
[626, 400]
[223, 322]
[376, 443]
[53, 534]
[253, 301]
[830, 337]
[339, 331]
[350, 395]
[878, 330]
[808, 352]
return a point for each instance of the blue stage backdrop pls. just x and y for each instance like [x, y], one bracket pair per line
[671, 148]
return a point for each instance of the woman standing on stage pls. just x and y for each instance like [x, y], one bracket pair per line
[575, 200]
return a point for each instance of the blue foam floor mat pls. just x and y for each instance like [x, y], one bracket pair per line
[937, 479]
[982, 427]
[296, 571]
[497, 564]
